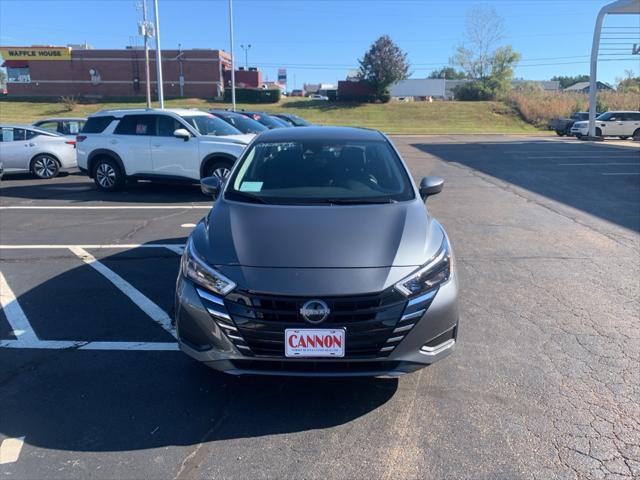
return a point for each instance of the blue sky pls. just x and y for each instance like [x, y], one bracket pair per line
[320, 40]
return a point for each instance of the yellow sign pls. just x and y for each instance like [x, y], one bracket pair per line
[35, 53]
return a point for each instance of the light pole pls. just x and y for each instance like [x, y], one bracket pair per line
[233, 68]
[158, 54]
[246, 54]
[145, 32]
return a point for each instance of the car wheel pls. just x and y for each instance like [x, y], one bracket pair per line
[623, 137]
[107, 175]
[636, 134]
[560, 133]
[219, 169]
[45, 166]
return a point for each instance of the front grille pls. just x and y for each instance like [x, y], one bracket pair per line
[369, 320]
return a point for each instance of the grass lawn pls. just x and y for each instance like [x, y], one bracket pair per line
[394, 117]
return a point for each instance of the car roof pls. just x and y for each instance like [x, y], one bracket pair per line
[28, 127]
[143, 111]
[60, 119]
[224, 112]
[320, 133]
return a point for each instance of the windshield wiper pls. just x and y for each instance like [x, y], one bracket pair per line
[246, 196]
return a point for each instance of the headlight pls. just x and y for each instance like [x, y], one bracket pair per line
[435, 272]
[195, 268]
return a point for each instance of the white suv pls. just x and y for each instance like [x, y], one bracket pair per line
[167, 144]
[611, 124]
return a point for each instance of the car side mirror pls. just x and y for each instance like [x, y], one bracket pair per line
[430, 186]
[182, 133]
[211, 186]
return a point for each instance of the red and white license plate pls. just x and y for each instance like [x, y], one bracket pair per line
[310, 342]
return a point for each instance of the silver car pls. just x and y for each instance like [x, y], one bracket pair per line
[67, 126]
[318, 258]
[30, 149]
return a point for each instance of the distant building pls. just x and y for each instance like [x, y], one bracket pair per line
[245, 78]
[418, 89]
[56, 71]
[321, 88]
[583, 87]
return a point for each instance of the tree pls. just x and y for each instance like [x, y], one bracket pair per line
[480, 57]
[630, 84]
[3, 77]
[567, 81]
[383, 64]
[448, 73]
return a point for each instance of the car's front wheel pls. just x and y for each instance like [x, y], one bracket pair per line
[219, 169]
[45, 166]
[636, 134]
[107, 175]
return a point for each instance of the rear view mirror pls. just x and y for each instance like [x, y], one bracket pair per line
[430, 186]
[211, 186]
[182, 133]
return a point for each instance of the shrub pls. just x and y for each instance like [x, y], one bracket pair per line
[254, 95]
[69, 103]
[473, 91]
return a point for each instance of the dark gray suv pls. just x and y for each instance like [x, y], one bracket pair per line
[319, 257]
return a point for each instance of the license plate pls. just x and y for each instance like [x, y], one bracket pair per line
[310, 342]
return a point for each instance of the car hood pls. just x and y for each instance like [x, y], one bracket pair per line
[243, 139]
[279, 236]
[581, 123]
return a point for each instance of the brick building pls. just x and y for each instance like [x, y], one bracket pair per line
[113, 73]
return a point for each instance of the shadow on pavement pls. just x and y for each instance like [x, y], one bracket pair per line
[106, 401]
[556, 170]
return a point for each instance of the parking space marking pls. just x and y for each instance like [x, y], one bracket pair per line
[622, 173]
[178, 249]
[10, 449]
[104, 207]
[136, 296]
[174, 247]
[14, 313]
[81, 345]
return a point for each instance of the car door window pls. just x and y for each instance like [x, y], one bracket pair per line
[13, 134]
[70, 127]
[167, 125]
[138, 125]
[31, 134]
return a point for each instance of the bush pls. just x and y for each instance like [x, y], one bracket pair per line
[69, 103]
[254, 95]
[473, 91]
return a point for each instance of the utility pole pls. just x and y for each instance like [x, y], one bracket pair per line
[233, 68]
[158, 54]
[246, 54]
[145, 33]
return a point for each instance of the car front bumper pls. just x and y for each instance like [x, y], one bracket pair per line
[432, 338]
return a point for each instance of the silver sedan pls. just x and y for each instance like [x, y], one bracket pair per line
[30, 149]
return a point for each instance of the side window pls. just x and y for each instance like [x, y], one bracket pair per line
[139, 125]
[96, 124]
[7, 134]
[635, 117]
[167, 125]
[50, 126]
[31, 134]
[70, 127]
[19, 134]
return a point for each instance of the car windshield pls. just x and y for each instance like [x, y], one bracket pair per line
[299, 121]
[244, 124]
[210, 125]
[266, 120]
[606, 116]
[320, 172]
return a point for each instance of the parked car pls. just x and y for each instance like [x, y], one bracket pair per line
[293, 120]
[318, 258]
[29, 149]
[69, 127]
[267, 120]
[241, 122]
[622, 124]
[154, 144]
[562, 126]
[317, 96]
[297, 93]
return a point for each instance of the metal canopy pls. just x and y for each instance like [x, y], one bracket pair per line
[621, 7]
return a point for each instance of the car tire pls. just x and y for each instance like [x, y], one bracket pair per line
[636, 134]
[598, 132]
[560, 133]
[45, 166]
[219, 168]
[107, 175]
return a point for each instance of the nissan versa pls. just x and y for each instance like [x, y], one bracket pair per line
[319, 257]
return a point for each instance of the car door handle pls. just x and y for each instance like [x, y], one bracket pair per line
[29, 144]
[113, 142]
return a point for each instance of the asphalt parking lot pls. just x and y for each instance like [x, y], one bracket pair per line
[544, 382]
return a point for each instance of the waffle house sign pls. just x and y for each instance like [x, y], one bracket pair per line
[35, 53]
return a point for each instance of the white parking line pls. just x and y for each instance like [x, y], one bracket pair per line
[553, 157]
[85, 345]
[10, 449]
[105, 207]
[147, 306]
[170, 246]
[14, 313]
